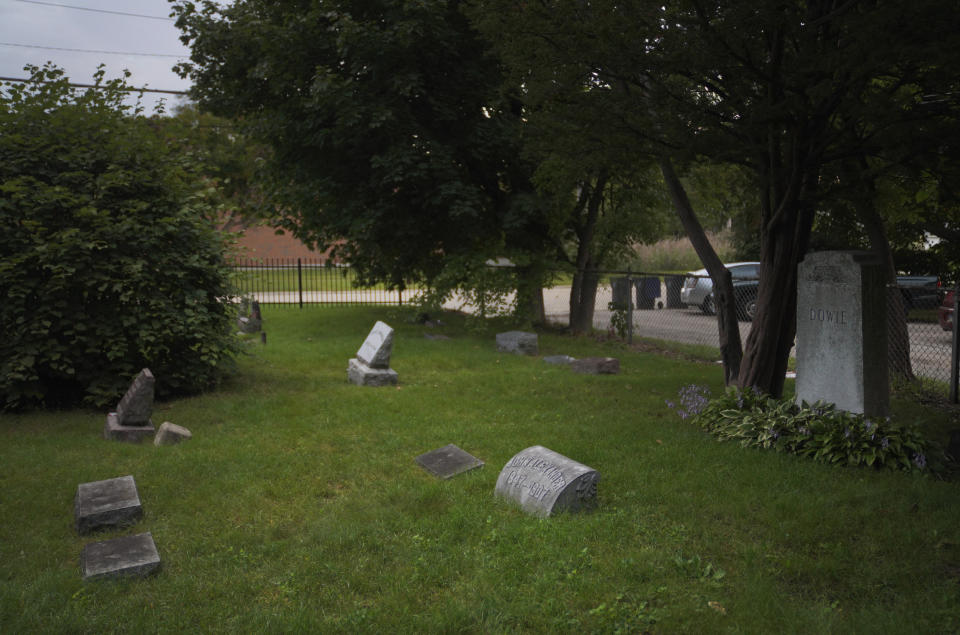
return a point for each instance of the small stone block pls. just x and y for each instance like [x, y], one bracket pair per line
[131, 434]
[126, 556]
[596, 365]
[519, 342]
[559, 360]
[362, 375]
[376, 349]
[111, 503]
[170, 434]
[544, 482]
[448, 461]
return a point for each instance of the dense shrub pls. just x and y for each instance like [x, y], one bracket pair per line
[106, 262]
[819, 430]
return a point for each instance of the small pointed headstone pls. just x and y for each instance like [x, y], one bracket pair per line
[131, 421]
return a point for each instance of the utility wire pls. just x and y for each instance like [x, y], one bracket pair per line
[57, 48]
[69, 6]
[23, 80]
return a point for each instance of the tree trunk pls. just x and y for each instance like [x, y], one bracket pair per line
[530, 294]
[583, 297]
[727, 324]
[583, 292]
[898, 337]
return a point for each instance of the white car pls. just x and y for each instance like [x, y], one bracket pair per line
[698, 287]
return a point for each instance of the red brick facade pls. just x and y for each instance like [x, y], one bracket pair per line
[265, 242]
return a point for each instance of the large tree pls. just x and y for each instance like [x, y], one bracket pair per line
[770, 87]
[392, 140]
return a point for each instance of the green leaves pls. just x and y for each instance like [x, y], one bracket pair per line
[102, 250]
[818, 431]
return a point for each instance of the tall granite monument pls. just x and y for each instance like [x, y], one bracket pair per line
[842, 332]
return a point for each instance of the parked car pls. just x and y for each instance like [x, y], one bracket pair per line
[945, 312]
[920, 292]
[698, 287]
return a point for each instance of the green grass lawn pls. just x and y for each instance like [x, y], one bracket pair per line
[298, 507]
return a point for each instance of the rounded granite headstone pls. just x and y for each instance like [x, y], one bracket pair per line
[544, 482]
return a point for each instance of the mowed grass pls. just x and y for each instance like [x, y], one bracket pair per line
[298, 507]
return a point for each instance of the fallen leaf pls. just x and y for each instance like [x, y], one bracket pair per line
[716, 606]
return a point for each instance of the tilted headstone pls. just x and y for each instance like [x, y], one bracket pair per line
[519, 342]
[135, 556]
[136, 406]
[596, 365]
[250, 322]
[111, 503]
[544, 482]
[131, 421]
[371, 366]
[842, 332]
[448, 461]
[170, 434]
[376, 349]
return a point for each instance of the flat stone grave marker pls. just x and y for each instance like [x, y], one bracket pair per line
[559, 359]
[842, 332]
[519, 342]
[544, 482]
[376, 349]
[125, 556]
[596, 365]
[448, 461]
[111, 503]
[131, 421]
[170, 434]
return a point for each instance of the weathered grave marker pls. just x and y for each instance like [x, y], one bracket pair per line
[559, 360]
[544, 482]
[170, 434]
[371, 366]
[125, 556]
[596, 366]
[131, 421]
[842, 332]
[519, 342]
[110, 503]
[448, 461]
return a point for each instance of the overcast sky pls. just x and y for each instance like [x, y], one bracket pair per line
[50, 23]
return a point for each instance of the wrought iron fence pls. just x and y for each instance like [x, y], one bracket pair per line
[661, 306]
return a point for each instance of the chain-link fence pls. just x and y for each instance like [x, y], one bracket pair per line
[681, 309]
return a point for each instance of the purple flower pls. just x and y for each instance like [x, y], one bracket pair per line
[804, 430]
[846, 433]
[920, 460]
[885, 443]
[868, 425]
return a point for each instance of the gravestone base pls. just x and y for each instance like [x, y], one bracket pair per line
[131, 434]
[135, 556]
[111, 503]
[448, 461]
[596, 366]
[362, 375]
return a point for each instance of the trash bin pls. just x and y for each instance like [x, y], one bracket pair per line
[621, 294]
[648, 290]
[674, 286]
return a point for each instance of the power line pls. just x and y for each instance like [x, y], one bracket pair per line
[57, 48]
[127, 89]
[69, 6]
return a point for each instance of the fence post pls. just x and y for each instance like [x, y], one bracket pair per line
[629, 308]
[955, 347]
[300, 281]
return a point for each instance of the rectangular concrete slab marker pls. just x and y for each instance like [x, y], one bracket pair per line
[111, 503]
[126, 556]
[448, 461]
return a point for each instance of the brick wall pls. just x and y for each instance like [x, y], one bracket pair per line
[264, 242]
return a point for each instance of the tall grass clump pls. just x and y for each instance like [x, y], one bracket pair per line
[678, 255]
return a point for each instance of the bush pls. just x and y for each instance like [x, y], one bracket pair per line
[106, 263]
[819, 431]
